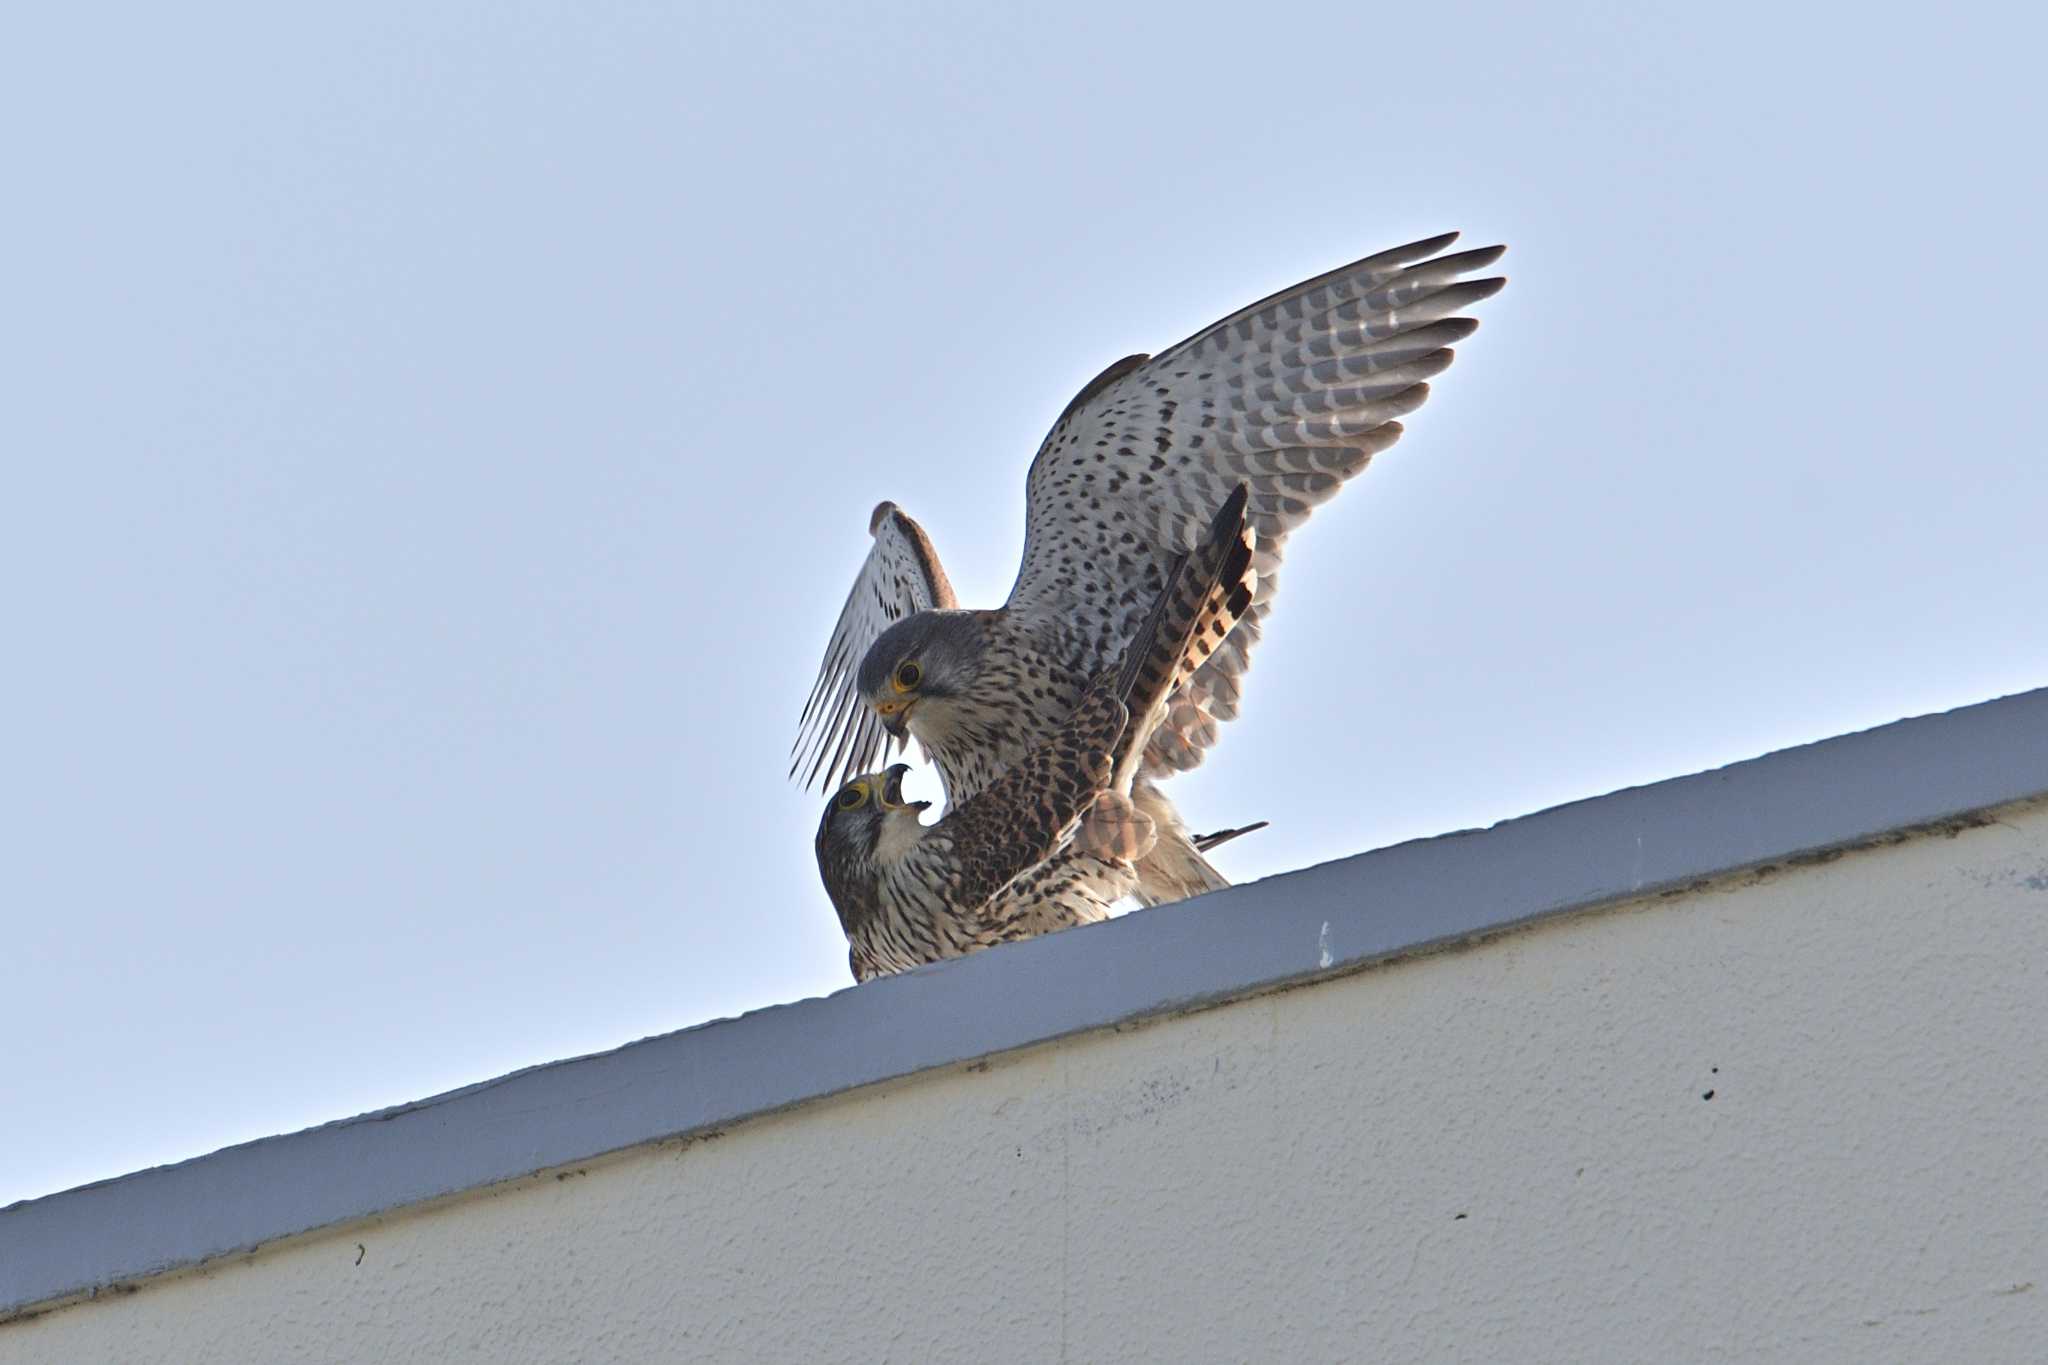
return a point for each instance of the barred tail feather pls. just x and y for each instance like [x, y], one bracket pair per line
[1208, 591]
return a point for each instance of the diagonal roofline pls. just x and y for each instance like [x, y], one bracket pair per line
[1796, 805]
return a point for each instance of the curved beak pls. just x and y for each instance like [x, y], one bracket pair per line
[891, 795]
[895, 717]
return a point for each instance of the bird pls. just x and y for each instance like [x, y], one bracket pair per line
[1291, 396]
[1053, 840]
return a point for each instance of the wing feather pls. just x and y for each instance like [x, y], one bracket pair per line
[837, 735]
[1291, 396]
[1029, 811]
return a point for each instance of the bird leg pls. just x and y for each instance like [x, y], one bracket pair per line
[1114, 828]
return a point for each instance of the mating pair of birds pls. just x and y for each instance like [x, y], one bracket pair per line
[1157, 512]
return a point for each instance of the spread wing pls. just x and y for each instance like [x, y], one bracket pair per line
[1026, 814]
[838, 735]
[1291, 396]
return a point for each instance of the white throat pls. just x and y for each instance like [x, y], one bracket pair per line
[900, 834]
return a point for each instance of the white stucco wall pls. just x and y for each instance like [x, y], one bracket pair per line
[1501, 1153]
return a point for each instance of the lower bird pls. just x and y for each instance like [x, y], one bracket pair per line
[1055, 839]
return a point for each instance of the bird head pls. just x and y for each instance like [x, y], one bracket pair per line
[915, 668]
[866, 823]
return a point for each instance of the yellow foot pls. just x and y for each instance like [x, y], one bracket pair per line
[1116, 829]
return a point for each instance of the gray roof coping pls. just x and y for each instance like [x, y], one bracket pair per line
[1338, 917]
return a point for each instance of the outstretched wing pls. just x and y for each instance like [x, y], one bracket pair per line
[1290, 396]
[1030, 810]
[838, 735]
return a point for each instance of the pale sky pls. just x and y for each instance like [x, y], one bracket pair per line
[439, 439]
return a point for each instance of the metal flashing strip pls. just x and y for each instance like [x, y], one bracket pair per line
[1322, 921]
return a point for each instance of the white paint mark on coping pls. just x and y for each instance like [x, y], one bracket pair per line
[1323, 955]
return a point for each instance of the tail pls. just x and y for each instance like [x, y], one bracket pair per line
[1204, 842]
[1207, 591]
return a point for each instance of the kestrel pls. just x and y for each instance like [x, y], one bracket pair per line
[1291, 396]
[1052, 840]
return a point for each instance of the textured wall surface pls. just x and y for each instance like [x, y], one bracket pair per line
[1800, 1116]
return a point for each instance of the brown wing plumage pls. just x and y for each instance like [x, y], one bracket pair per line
[1005, 864]
[1025, 815]
[1208, 591]
[1291, 397]
[838, 735]
[1030, 811]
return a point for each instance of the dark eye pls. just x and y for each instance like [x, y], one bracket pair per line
[853, 797]
[908, 675]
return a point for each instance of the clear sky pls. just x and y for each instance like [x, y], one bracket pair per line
[438, 439]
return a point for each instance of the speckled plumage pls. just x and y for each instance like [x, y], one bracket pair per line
[907, 894]
[1005, 864]
[1291, 396]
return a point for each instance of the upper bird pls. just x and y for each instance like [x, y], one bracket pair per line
[1291, 396]
[1054, 840]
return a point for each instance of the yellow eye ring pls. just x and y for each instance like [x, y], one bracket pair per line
[853, 796]
[906, 676]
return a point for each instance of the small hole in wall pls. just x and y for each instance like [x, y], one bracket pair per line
[1709, 1095]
